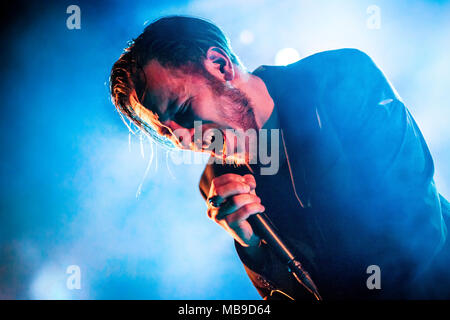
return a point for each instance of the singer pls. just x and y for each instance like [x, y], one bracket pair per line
[349, 184]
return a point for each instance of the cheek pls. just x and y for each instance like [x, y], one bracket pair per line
[204, 111]
[206, 107]
[209, 106]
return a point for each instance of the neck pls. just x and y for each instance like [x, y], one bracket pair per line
[255, 88]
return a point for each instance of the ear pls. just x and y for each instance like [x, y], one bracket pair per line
[219, 65]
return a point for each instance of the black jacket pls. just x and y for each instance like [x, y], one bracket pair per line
[361, 191]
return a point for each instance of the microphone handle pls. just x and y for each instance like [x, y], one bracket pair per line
[265, 230]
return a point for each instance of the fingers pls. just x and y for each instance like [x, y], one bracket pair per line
[232, 199]
[231, 189]
[236, 202]
[230, 184]
[228, 177]
[233, 220]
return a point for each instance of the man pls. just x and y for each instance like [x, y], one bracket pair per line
[353, 194]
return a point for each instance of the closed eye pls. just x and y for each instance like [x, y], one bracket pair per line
[183, 108]
[184, 115]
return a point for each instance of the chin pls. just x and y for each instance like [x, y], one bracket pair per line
[236, 159]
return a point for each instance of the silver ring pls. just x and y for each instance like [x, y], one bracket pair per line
[215, 201]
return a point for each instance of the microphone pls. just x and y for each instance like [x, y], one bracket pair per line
[265, 230]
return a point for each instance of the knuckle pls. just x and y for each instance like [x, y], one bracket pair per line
[240, 186]
[230, 187]
[254, 198]
[252, 208]
[234, 176]
[227, 177]
[250, 177]
[220, 190]
[247, 198]
[246, 209]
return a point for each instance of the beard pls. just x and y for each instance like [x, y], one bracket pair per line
[237, 109]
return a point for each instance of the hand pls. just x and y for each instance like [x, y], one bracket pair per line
[235, 200]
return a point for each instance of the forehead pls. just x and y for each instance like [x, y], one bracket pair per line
[165, 87]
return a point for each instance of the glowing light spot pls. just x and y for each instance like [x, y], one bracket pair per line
[50, 283]
[246, 37]
[286, 56]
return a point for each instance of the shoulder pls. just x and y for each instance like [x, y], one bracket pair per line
[321, 72]
[319, 69]
[344, 72]
[328, 63]
[344, 53]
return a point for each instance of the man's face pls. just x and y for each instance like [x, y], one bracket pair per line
[182, 98]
